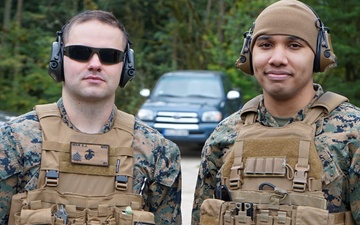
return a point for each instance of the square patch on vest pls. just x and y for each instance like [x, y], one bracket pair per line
[89, 154]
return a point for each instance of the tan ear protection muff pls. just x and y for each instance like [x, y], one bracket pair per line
[244, 62]
[56, 68]
[325, 58]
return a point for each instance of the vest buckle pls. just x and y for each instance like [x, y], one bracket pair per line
[235, 180]
[52, 178]
[121, 182]
[300, 178]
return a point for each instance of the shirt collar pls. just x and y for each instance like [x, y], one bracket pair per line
[65, 118]
[267, 120]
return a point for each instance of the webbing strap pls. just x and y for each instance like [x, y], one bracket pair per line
[302, 167]
[304, 148]
[53, 196]
[235, 180]
[47, 162]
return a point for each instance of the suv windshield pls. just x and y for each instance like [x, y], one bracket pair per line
[202, 87]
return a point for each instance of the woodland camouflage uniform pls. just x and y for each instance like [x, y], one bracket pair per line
[337, 142]
[155, 158]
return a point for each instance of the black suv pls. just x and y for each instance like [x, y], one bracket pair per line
[186, 105]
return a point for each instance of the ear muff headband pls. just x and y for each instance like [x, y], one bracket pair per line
[56, 67]
[324, 60]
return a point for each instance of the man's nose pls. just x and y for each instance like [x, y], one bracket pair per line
[95, 56]
[278, 56]
[95, 61]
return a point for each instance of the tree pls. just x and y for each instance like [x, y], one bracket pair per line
[166, 35]
[343, 21]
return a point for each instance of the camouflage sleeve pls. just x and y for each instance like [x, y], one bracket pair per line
[7, 191]
[8, 168]
[206, 180]
[354, 170]
[158, 159]
[338, 146]
[219, 142]
[19, 159]
[354, 182]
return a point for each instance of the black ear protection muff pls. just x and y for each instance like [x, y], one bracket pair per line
[325, 58]
[128, 71]
[56, 68]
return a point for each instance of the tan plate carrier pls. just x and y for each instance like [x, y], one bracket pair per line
[84, 178]
[274, 175]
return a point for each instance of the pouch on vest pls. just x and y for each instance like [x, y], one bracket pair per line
[218, 212]
[209, 211]
[104, 215]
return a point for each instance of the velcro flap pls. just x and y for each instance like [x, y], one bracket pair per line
[308, 216]
[210, 211]
[143, 217]
[39, 216]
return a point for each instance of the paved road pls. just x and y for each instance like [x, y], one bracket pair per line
[190, 166]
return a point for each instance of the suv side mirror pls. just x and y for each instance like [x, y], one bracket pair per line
[231, 95]
[145, 92]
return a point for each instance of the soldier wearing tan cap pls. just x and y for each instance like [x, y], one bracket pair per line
[290, 156]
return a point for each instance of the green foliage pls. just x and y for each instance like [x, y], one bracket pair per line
[166, 35]
[343, 20]
[223, 54]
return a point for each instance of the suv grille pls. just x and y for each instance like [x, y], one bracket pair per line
[177, 117]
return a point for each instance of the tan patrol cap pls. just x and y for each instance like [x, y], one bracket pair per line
[287, 17]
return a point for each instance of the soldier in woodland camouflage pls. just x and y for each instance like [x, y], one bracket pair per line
[282, 52]
[87, 108]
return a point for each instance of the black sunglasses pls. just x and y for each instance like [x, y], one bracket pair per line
[84, 53]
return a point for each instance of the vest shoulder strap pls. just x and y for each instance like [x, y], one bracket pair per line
[45, 110]
[252, 105]
[326, 103]
[249, 110]
[329, 101]
[125, 121]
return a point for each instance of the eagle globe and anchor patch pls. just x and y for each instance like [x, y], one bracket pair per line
[89, 154]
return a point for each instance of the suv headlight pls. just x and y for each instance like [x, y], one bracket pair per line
[145, 114]
[211, 116]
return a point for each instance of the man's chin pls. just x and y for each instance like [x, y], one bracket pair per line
[94, 97]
